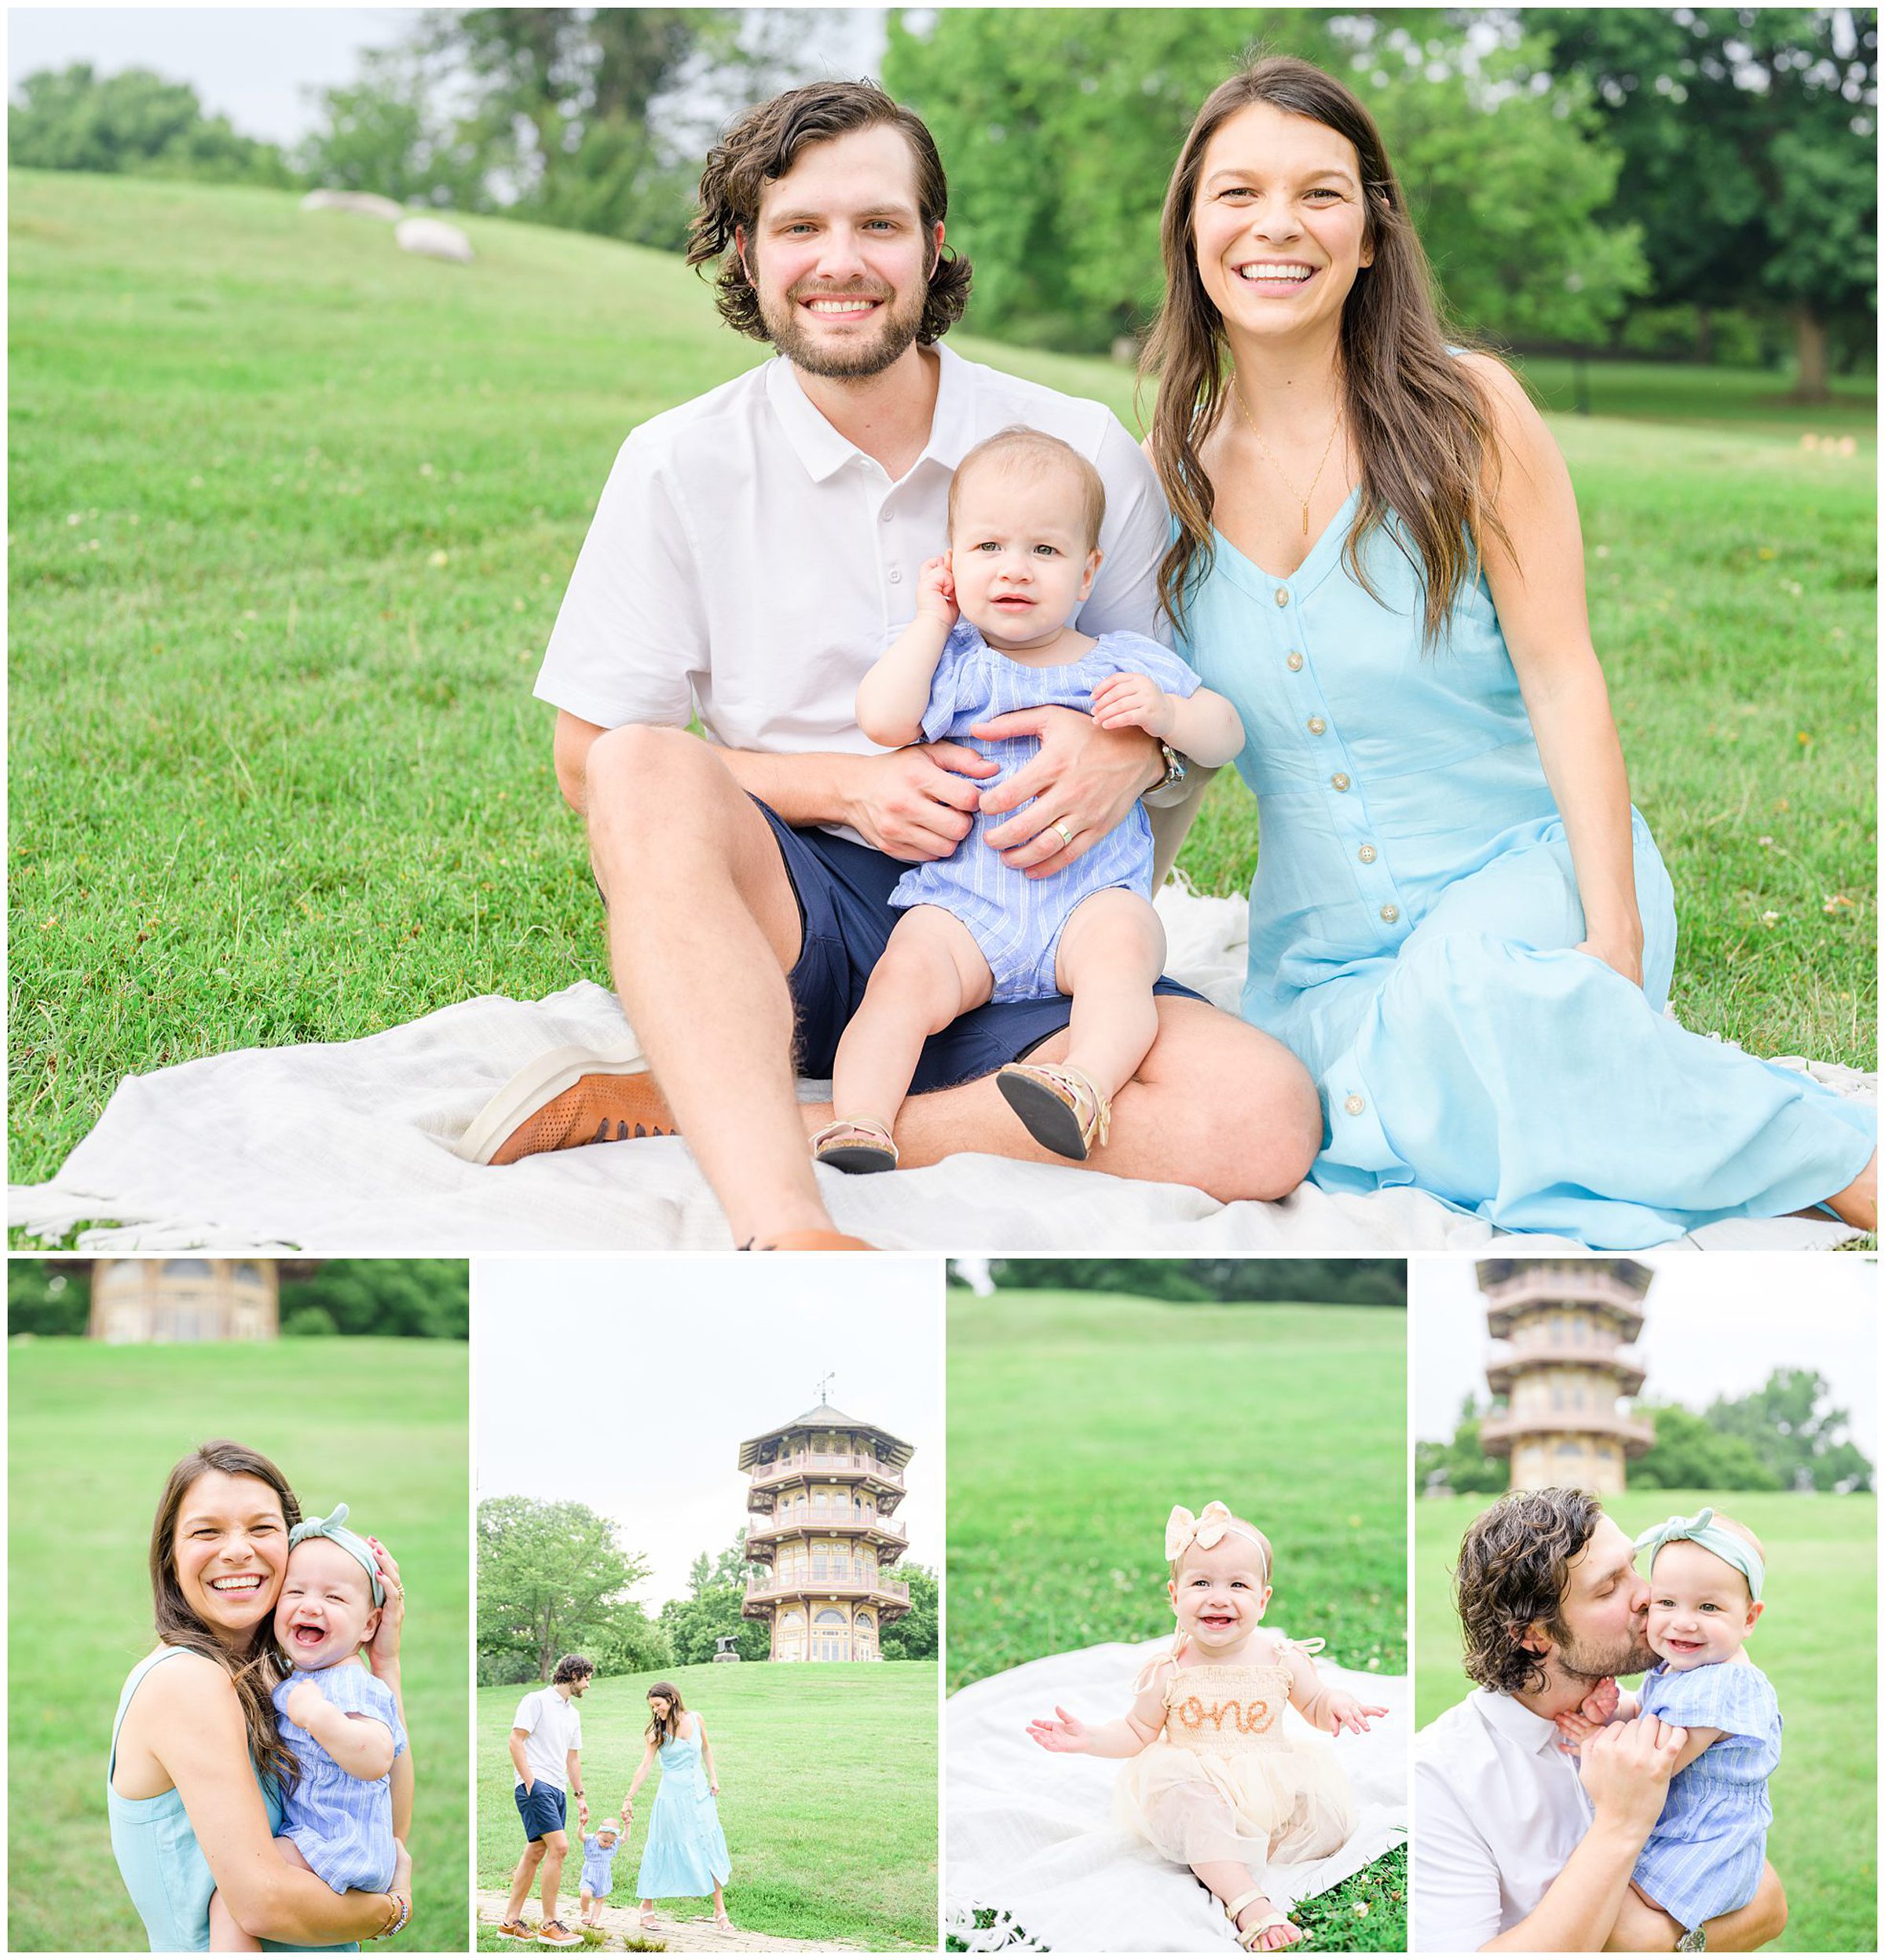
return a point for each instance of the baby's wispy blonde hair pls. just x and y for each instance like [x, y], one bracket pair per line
[1033, 450]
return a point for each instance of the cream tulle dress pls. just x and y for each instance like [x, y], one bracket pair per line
[1227, 1780]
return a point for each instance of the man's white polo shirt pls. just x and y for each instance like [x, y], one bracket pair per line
[1497, 1811]
[553, 1729]
[748, 563]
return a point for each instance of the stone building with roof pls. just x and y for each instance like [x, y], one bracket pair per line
[821, 1493]
[1563, 1324]
[184, 1300]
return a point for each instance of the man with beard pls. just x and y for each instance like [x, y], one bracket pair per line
[546, 1755]
[753, 552]
[1519, 1844]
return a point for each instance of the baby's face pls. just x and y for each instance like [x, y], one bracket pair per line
[1699, 1607]
[1219, 1595]
[1019, 553]
[326, 1613]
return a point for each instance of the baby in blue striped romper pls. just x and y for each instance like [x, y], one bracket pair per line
[992, 635]
[341, 1723]
[1703, 1857]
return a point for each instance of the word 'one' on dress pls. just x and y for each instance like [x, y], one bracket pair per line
[1413, 923]
[685, 1855]
[1226, 1780]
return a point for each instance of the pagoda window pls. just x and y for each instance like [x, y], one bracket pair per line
[187, 1268]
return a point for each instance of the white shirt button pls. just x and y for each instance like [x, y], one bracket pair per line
[896, 578]
[886, 515]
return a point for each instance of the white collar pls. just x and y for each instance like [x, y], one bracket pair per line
[824, 451]
[1537, 1735]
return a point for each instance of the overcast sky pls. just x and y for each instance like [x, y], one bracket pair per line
[1714, 1323]
[629, 1384]
[260, 65]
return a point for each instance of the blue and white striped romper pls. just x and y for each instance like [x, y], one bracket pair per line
[1017, 921]
[1704, 1856]
[343, 1825]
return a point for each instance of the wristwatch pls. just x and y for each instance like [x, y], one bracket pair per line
[1176, 768]
[1693, 1942]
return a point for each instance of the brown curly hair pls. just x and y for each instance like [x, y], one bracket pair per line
[1511, 1578]
[760, 146]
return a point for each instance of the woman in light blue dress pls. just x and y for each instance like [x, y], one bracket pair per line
[1458, 922]
[685, 1855]
[190, 1787]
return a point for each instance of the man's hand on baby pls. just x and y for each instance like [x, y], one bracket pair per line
[1345, 1712]
[1133, 700]
[1626, 1767]
[1083, 776]
[1065, 1737]
[303, 1703]
[917, 804]
[936, 590]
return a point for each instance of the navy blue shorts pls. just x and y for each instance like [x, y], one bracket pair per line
[541, 1807]
[843, 892]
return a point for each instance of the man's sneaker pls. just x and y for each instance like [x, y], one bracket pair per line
[553, 1932]
[513, 1930]
[565, 1099]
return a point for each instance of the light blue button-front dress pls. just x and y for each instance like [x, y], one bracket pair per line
[1412, 919]
[685, 1855]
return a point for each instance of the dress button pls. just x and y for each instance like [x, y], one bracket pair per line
[1366, 854]
[1283, 595]
[1318, 726]
[1295, 663]
[1354, 1106]
[1340, 780]
[1390, 913]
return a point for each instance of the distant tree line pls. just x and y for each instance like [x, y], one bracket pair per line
[1787, 1435]
[1331, 1282]
[417, 1299]
[1690, 181]
[553, 1578]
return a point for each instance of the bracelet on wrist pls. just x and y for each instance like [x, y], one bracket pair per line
[401, 1912]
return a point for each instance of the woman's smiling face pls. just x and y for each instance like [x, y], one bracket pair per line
[231, 1549]
[1280, 225]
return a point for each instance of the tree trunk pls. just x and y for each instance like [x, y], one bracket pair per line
[1810, 351]
[1704, 336]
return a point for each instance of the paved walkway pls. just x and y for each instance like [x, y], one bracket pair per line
[681, 1936]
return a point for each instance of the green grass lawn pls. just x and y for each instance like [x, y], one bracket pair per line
[827, 1793]
[92, 1432]
[1076, 1421]
[291, 512]
[1817, 1643]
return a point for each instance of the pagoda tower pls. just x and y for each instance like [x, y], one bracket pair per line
[184, 1299]
[820, 1492]
[1565, 1322]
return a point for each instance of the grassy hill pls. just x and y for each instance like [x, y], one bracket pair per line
[93, 1431]
[291, 512]
[828, 1793]
[1816, 1643]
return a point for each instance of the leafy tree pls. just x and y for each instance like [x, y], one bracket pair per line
[308, 1323]
[1358, 1282]
[716, 1591]
[551, 1580]
[914, 1637]
[1690, 1454]
[386, 132]
[1791, 1428]
[1060, 128]
[427, 1299]
[1460, 1465]
[46, 1300]
[72, 119]
[1749, 136]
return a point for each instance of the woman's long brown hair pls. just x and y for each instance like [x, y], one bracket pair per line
[1421, 426]
[660, 1730]
[255, 1673]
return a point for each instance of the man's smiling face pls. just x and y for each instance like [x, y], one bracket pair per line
[839, 256]
[1603, 1612]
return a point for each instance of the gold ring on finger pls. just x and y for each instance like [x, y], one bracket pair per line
[1066, 836]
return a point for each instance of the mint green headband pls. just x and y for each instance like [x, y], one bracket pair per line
[1727, 1545]
[334, 1527]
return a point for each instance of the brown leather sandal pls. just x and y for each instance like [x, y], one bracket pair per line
[1063, 1110]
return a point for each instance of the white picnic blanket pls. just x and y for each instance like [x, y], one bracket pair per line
[342, 1147]
[1030, 1837]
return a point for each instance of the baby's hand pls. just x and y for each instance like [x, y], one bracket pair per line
[304, 1700]
[1345, 1712]
[1066, 1737]
[1575, 1728]
[1601, 1705]
[936, 590]
[1133, 701]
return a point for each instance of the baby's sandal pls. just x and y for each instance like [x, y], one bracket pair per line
[856, 1147]
[1062, 1106]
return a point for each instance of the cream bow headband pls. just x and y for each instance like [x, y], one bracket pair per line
[1182, 1530]
[1703, 1530]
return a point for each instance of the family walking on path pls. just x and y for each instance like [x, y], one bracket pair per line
[1357, 532]
[685, 1854]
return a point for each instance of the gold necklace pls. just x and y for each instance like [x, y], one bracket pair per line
[1301, 496]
